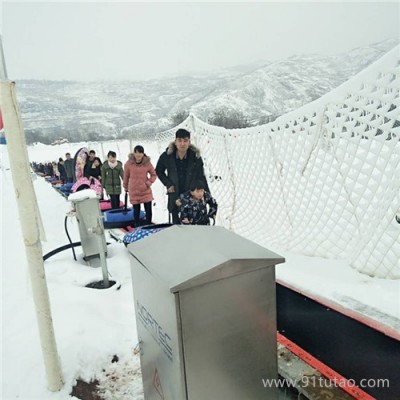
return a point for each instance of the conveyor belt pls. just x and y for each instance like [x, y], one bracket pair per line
[349, 347]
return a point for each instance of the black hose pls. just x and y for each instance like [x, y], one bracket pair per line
[66, 246]
[69, 238]
[62, 248]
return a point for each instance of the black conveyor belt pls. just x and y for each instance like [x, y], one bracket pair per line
[349, 347]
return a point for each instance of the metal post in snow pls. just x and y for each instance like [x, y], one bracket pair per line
[30, 224]
[3, 69]
[3, 77]
[103, 261]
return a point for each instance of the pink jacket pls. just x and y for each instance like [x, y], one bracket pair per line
[138, 179]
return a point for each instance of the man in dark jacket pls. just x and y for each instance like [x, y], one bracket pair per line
[178, 167]
[69, 167]
[61, 170]
[89, 161]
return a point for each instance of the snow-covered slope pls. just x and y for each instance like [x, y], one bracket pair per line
[275, 89]
[92, 110]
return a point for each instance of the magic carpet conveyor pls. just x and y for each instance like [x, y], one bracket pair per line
[342, 342]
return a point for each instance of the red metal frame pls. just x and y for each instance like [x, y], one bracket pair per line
[326, 371]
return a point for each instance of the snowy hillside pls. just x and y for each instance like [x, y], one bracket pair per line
[91, 110]
[275, 89]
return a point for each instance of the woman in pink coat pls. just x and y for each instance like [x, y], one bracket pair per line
[139, 175]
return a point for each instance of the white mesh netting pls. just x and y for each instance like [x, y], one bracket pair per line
[323, 180]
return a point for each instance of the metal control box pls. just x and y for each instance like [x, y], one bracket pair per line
[89, 218]
[206, 314]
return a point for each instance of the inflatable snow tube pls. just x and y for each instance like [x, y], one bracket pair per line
[119, 218]
[85, 183]
[142, 232]
[79, 161]
[156, 226]
[106, 205]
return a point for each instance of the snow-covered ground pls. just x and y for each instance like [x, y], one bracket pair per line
[91, 326]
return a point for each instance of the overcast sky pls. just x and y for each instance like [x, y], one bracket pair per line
[85, 41]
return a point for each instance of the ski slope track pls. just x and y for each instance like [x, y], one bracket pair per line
[320, 186]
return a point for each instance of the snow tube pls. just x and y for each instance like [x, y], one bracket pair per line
[120, 218]
[106, 205]
[80, 161]
[142, 232]
[85, 183]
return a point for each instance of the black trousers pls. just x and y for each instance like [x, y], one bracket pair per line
[148, 211]
[175, 216]
[114, 199]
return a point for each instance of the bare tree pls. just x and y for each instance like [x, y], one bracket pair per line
[229, 119]
[178, 117]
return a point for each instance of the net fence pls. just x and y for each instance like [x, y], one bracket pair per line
[323, 180]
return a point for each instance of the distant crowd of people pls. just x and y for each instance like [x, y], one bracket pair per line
[179, 168]
[62, 170]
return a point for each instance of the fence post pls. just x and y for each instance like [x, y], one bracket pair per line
[30, 224]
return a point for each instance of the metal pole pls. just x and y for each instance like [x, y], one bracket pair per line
[30, 224]
[3, 69]
[103, 261]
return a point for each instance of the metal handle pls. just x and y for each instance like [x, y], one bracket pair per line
[139, 348]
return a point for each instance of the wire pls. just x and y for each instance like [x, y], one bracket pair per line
[62, 248]
[69, 238]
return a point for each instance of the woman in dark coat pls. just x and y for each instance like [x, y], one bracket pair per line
[93, 169]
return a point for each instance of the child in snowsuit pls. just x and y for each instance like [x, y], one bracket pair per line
[193, 205]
